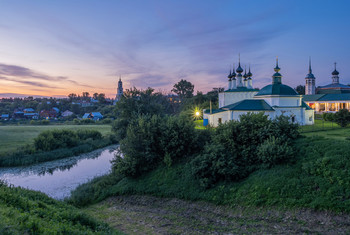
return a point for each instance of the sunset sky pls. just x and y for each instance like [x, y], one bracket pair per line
[53, 48]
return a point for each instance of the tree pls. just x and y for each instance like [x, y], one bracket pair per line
[101, 98]
[300, 89]
[95, 96]
[86, 95]
[136, 102]
[72, 97]
[183, 89]
[342, 117]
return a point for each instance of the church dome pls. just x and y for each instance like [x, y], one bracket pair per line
[239, 69]
[335, 72]
[277, 89]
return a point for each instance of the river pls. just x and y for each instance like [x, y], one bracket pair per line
[58, 178]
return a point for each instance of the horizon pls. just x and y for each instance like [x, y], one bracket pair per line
[72, 47]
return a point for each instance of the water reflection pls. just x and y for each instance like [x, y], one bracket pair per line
[58, 178]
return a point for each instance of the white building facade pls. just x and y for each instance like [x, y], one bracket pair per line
[273, 100]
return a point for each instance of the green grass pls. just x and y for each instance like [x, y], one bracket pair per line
[319, 125]
[199, 125]
[319, 179]
[325, 129]
[29, 212]
[13, 137]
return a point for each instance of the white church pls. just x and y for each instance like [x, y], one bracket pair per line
[273, 100]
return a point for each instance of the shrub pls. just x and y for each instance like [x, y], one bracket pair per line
[50, 140]
[275, 151]
[237, 144]
[151, 138]
[86, 134]
[342, 117]
[44, 122]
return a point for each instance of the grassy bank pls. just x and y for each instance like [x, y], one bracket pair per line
[319, 179]
[28, 212]
[14, 137]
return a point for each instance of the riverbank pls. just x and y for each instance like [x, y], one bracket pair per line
[57, 178]
[28, 212]
[15, 137]
[151, 215]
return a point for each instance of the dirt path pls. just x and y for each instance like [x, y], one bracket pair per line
[152, 215]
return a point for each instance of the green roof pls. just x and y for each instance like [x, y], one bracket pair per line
[312, 97]
[213, 111]
[277, 89]
[327, 97]
[335, 97]
[249, 105]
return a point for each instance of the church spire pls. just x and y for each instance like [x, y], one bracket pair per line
[335, 73]
[239, 69]
[277, 77]
[310, 81]
[310, 70]
[233, 73]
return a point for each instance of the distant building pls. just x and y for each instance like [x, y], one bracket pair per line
[5, 117]
[67, 113]
[119, 91]
[329, 98]
[93, 116]
[52, 113]
[273, 100]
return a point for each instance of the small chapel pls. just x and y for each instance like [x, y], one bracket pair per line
[273, 100]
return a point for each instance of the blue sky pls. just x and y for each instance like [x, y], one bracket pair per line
[54, 48]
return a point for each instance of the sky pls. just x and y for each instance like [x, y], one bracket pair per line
[54, 48]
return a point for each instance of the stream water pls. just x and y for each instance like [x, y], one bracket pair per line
[58, 178]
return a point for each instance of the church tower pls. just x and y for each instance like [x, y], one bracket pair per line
[310, 82]
[233, 79]
[335, 73]
[229, 80]
[250, 82]
[239, 71]
[120, 90]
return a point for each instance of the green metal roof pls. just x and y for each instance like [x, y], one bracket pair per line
[327, 97]
[335, 97]
[249, 105]
[312, 97]
[277, 89]
[213, 111]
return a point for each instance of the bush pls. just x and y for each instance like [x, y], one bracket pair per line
[50, 140]
[234, 151]
[275, 151]
[342, 117]
[86, 134]
[150, 138]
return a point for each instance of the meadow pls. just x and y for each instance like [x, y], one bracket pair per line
[325, 129]
[13, 137]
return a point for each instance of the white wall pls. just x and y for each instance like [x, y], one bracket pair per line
[227, 98]
[281, 101]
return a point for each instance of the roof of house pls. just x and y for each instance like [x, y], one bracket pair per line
[312, 97]
[96, 114]
[5, 115]
[252, 104]
[86, 115]
[277, 89]
[29, 110]
[327, 97]
[336, 85]
[213, 111]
